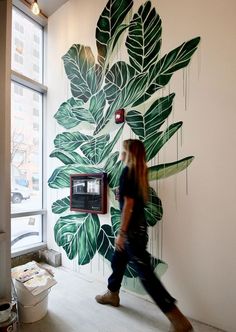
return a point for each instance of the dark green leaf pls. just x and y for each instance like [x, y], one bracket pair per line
[115, 220]
[105, 242]
[108, 23]
[114, 170]
[144, 38]
[116, 78]
[70, 141]
[133, 90]
[111, 161]
[161, 72]
[61, 205]
[153, 210]
[77, 234]
[146, 125]
[162, 171]
[93, 149]
[154, 143]
[108, 148]
[81, 70]
[71, 113]
[68, 157]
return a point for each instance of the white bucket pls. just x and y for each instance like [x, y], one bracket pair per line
[10, 325]
[31, 307]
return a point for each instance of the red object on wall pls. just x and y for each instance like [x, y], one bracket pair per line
[120, 116]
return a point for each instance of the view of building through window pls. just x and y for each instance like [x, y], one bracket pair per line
[27, 42]
[26, 133]
[26, 149]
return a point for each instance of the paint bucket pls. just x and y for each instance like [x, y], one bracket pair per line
[31, 307]
[5, 311]
[10, 325]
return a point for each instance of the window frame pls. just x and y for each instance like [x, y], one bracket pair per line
[42, 89]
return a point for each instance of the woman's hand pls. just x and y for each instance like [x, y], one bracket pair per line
[120, 243]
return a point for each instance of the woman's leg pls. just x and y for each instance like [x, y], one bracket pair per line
[142, 263]
[141, 260]
[118, 265]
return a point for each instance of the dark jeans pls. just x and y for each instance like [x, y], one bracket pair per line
[135, 252]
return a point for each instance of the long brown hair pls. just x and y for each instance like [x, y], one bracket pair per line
[136, 161]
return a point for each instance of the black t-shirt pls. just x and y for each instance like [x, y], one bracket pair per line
[128, 188]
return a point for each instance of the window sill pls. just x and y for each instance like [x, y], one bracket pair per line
[28, 249]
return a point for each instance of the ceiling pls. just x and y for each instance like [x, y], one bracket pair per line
[48, 7]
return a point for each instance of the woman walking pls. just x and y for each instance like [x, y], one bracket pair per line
[130, 244]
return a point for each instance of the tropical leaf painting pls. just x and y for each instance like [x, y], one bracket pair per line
[99, 87]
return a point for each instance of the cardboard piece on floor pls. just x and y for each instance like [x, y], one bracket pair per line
[34, 277]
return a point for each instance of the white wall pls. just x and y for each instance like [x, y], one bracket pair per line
[199, 227]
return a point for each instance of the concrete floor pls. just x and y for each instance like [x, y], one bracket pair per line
[72, 308]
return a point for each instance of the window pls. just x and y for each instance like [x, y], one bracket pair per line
[36, 39]
[26, 156]
[35, 53]
[18, 59]
[19, 27]
[27, 214]
[26, 231]
[35, 112]
[35, 126]
[19, 46]
[18, 90]
[27, 37]
[36, 68]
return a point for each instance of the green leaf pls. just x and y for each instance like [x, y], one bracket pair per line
[153, 209]
[60, 177]
[107, 25]
[111, 161]
[131, 272]
[106, 242]
[71, 113]
[106, 247]
[161, 268]
[115, 220]
[61, 205]
[144, 38]
[70, 141]
[77, 234]
[116, 78]
[154, 143]
[99, 148]
[132, 91]
[96, 107]
[69, 157]
[113, 170]
[161, 72]
[82, 71]
[108, 148]
[111, 45]
[162, 171]
[145, 125]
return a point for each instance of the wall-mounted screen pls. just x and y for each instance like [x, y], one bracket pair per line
[88, 192]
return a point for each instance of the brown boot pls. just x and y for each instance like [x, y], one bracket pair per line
[179, 321]
[109, 298]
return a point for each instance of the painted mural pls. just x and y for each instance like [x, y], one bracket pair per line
[99, 87]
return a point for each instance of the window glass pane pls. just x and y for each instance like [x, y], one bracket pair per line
[26, 149]
[26, 231]
[27, 46]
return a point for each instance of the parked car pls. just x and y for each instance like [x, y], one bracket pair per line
[18, 193]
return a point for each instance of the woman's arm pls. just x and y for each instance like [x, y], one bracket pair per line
[125, 220]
